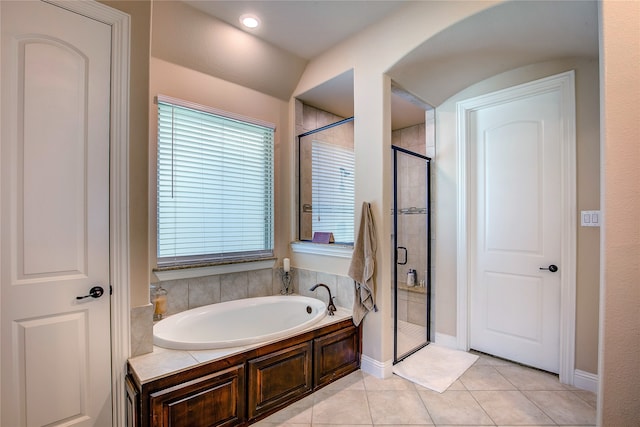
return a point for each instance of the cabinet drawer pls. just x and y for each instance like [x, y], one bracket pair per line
[279, 378]
[213, 400]
[335, 355]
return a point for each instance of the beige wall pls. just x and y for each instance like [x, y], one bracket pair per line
[619, 393]
[588, 193]
[391, 40]
[140, 12]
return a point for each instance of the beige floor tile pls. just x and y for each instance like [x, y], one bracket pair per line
[588, 396]
[264, 423]
[454, 407]
[394, 382]
[343, 425]
[485, 377]
[402, 407]
[510, 408]
[487, 360]
[341, 407]
[457, 386]
[353, 381]
[361, 400]
[297, 413]
[530, 379]
[564, 407]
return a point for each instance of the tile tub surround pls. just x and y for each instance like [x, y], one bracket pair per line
[184, 294]
[141, 330]
[342, 287]
[501, 394]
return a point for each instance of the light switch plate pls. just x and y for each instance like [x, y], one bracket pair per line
[590, 218]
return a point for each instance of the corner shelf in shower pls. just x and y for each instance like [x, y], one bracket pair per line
[415, 289]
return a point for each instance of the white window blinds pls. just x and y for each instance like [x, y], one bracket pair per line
[215, 186]
[333, 190]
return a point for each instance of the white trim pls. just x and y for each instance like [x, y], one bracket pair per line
[188, 273]
[564, 84]
[447, 341]
[119, 192]
[120, 268]
[376, 368]
[333, 250]
[585, 380]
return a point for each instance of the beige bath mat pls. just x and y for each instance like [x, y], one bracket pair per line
[435, 367]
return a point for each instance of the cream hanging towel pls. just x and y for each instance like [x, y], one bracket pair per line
[363, 264]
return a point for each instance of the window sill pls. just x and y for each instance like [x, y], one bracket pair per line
[333, 250]
[176, 273]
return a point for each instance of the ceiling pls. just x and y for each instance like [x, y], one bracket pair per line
[305, 28]
[504, 37]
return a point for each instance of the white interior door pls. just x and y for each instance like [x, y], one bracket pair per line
[54, 211]
[515, 152]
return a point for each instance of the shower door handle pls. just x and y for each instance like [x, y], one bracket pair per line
[405, 255]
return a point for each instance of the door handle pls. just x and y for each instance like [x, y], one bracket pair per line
[552, 268]
[405, 255]
[95, 292]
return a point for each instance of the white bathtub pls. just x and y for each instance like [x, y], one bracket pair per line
[238, 323]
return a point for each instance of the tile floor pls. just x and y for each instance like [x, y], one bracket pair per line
[492, 392]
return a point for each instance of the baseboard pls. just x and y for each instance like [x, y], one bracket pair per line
[585, 380]
[376, 368]
[448, 341]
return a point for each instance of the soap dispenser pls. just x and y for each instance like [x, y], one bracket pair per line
[159, 301]
[411, 277]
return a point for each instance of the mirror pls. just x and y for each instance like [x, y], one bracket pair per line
[326, 184]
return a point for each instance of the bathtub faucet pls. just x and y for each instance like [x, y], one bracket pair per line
[331, 308]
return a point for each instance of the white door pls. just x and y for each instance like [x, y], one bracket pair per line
[516, 151]
[54, 212]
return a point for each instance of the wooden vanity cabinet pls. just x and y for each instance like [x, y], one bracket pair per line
[335, 355]
[279, 378]
[246, 387]
[213, 400]
[132, 403]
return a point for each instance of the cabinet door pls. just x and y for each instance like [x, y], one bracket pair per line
[335, 355]
[278, 378]
[132, 403]
[213, 400]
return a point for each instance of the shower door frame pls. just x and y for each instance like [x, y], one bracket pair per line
[398, 358]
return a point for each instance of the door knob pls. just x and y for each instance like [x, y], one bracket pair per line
[552, 268]
[95, 292]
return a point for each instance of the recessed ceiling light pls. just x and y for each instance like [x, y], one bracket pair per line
[249, 21]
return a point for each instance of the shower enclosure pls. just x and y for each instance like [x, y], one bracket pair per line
[412, 252]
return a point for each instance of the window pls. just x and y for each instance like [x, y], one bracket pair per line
[333, 190]
[215, 185]
[326, 182]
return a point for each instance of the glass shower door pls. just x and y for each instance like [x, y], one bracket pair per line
[412, 252]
